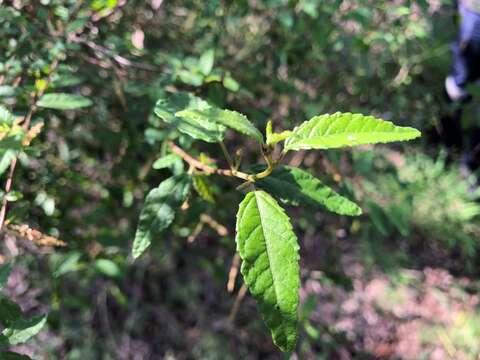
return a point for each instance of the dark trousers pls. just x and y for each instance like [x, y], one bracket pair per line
[466, 62]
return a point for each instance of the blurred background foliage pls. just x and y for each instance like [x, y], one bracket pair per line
[403, 273]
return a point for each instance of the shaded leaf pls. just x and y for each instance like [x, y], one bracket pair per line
[5, 271]
[8, 355]
[231, 119]
[346, 129]
[295, 186]
[9, 311]
[203, 188]
[159, 211]
[63, 101]
[269, 251]
[198, 128]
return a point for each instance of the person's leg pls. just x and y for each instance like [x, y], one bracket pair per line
[456, 81]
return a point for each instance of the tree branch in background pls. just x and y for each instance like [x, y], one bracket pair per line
[26, 127]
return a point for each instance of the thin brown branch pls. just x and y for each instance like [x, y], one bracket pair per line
[110, 54]
[206, 168]
[232, 274]
[236, 305]
[26, 127]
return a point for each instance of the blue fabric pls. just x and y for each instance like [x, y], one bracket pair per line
[466, 50]
[470, 27]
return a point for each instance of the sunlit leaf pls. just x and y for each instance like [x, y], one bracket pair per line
[346, 129]
[231, 119]
[269, 251]
[23, 329]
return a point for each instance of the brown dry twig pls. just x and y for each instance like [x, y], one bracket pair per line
[26, 232]
[236, 305]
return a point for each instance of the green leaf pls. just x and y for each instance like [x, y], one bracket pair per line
[8, 355]
[10, 146]
[159, 211]
[229, 118]
[5, 271]
[273, 138]
[62, 101]
[107, 267]
[198, 128]
[165, 161]
[295, 186]
[346, 129]
[203, 188]
[23, 329]
[9, 311]
[6, 117]
[269, 251]
[205, 63]
[230, 83]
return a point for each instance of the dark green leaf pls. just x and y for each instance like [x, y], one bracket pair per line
[198, 128]
[159, 211]
[5, 271]
[9, 311]
[231, 119]
[295, 186]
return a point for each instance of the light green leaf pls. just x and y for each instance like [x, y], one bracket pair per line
[6, 117]
[203, 188]
[165, 161]
[62, 101]
[190, 77]
[7, 91]
[159, 211]
[107, 267]
[70, 263]
[273, 138]
[229, 118]
[205, 63]
[5, 271]
[346, 129]
[295, 186]
[10, 146]
[230, 83]
[269, 251]
[198, 128]
[23, 329]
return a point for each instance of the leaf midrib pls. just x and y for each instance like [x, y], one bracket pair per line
[405, 130]
[267, 249]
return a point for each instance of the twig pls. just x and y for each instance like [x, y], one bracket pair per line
[26, 126]
[236, 304]
[227, 155]
[109, 53]
[206, 168]
[232, 274]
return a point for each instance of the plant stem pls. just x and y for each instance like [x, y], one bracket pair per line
[193, 162]
[26, 126]
[206, 168]
[227, 155]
